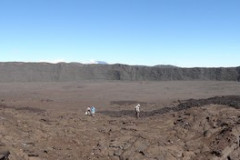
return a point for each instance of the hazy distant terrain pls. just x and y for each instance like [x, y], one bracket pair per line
[66, 72]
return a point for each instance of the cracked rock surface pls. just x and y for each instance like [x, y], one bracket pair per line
[47, 126]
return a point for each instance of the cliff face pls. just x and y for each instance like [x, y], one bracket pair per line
[46, 72]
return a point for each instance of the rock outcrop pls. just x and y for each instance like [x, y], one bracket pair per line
[63, 72]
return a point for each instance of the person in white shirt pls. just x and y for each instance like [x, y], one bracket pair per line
[137, 110]
[88, 111]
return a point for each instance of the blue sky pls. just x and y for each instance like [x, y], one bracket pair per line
[186, 33]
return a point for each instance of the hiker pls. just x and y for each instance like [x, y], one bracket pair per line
[88, 111]
[93, 110]
[137, 110]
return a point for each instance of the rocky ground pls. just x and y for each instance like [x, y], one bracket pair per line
[178, 129]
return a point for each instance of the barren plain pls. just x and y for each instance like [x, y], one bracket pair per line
[179, 120]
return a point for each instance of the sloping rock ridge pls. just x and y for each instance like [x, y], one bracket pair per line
[63, 72]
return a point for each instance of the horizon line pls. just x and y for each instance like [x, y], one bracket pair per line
[105, 63]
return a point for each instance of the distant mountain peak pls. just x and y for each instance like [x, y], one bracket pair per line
[96, 62]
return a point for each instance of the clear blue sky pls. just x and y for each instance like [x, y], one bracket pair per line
[185, 33]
